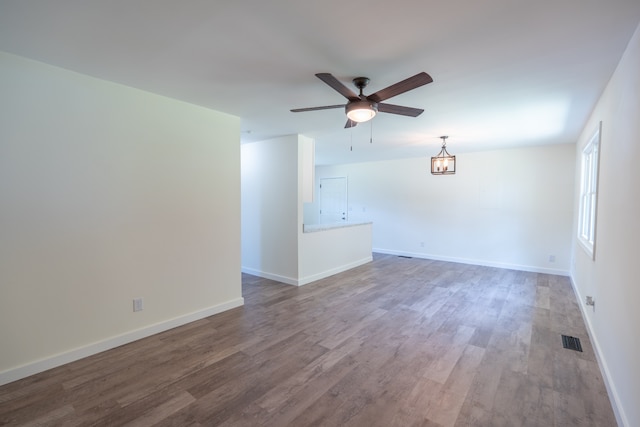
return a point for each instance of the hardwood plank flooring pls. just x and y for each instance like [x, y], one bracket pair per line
[396, 342]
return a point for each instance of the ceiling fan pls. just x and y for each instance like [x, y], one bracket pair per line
[361, 108]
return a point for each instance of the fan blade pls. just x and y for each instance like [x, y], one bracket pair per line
[418, 80]
[326, 107]
[339, 87]
[399, 109]
[350, 124]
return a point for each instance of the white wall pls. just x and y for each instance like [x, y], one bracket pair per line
[331, 251]
[612, 278]
[508, 208]
[108, 193]
[277, 179]
[270, 217]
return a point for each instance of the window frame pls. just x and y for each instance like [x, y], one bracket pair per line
[588, 199]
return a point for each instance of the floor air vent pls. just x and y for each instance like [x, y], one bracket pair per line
[404, 256]
[572, 343]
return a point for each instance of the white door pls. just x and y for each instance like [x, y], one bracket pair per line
[333, 200]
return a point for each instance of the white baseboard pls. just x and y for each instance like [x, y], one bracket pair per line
[558, 272]
[614, 398]
[312, 278]
[307, 279]
[42, 365]
[270, 276]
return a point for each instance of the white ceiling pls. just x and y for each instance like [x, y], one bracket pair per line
[506, 72]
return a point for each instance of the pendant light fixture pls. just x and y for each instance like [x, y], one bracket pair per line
[443, 163]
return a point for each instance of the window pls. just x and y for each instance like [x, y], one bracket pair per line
[589, 193]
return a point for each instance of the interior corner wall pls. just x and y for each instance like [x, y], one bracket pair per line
[612, 277]
[506, 208]
[270, 199]
[107, 194]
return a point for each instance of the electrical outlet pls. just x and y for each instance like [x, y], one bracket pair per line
[137, 304]
[552, 258]
[422, 244]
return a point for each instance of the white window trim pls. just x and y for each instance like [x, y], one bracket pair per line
[588, 199]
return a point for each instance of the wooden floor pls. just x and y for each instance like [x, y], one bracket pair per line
[397, 342]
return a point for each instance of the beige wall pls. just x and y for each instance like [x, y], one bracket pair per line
[612, 278]
[108, 193]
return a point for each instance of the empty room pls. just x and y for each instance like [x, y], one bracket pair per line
[358, 213]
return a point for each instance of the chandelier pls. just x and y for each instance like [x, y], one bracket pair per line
[443, 163]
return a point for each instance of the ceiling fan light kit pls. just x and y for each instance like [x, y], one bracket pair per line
[443, 163]
[361, 111]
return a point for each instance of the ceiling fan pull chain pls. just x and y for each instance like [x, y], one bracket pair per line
[351, 133]
[371, 133]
